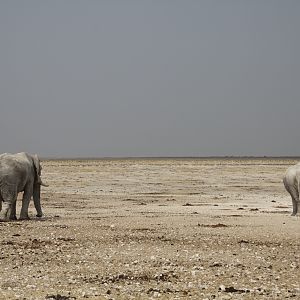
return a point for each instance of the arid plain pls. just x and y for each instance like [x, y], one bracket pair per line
[156, 228]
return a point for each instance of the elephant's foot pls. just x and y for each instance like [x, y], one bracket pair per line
[39, 215]
[24, 218]
[13, 218]
[3, 217]
[4, 220]
[296, 214]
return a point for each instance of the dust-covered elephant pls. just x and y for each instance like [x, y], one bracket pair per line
[19, 172]
[291, 182]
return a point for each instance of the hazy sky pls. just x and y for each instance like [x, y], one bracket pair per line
[150, 77]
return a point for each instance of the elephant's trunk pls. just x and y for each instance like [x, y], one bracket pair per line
[37, 199]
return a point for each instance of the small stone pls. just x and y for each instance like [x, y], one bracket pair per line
[156, 294]
[225, 297]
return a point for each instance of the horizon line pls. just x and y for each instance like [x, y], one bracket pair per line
[169, 157]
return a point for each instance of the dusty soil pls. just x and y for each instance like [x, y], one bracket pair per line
[163, 228]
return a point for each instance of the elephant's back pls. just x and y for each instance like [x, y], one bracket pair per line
[12, 164]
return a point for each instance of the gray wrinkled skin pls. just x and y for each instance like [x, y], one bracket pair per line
[291, 182]
[19, 173]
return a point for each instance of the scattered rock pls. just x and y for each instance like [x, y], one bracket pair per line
[231, 289]
[59, 297]
[216, 264]
[213, 225]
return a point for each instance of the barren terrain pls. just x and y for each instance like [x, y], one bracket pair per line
[156, 228]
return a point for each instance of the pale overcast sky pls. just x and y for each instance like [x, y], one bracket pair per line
[150, 77]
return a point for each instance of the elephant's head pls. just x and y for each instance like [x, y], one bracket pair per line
[37, 185]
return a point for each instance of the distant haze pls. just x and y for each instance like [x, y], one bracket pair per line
[150, 78]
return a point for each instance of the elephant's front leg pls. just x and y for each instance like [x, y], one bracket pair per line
[5, 212]
[297, 208]
[8, 197]
[25, 204]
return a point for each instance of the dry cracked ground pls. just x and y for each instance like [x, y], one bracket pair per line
[162, 228]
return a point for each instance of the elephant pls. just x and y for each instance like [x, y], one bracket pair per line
[291, 181]
[19, 172]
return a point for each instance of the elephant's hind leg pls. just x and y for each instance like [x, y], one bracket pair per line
[13, 215]
[1, 200]
[25, 204]
[295, 199]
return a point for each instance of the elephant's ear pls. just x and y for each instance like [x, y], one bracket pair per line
[37, 167]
